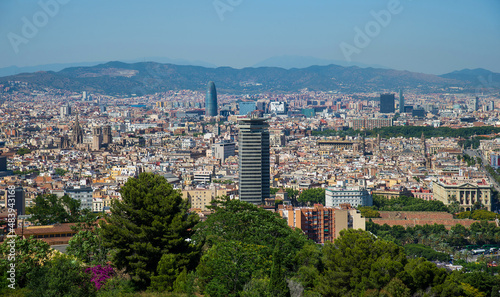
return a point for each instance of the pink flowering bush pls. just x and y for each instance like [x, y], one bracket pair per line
[100, 274]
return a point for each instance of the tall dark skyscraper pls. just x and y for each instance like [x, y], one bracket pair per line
[386, 103]
[211, 100]
[15, 197]
[475, 104]
[254, 160]
[401, 101]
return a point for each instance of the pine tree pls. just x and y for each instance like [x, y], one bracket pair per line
[495, 291]
[151, 220]
[277, 285]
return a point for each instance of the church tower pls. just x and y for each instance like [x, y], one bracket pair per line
[378, 145]
[96, 138]
[424, 148]
[77, 137]
[427, 157]
[363, 148]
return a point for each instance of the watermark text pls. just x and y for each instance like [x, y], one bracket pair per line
[31, 26]
[364, 36]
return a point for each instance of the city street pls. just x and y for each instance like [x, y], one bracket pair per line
[477, 154]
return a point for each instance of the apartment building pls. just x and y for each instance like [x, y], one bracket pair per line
[322, 224]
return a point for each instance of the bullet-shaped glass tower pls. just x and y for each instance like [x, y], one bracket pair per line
[211, 100]
[254, 160]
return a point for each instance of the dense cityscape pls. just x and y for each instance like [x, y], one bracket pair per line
[233, 148]
[324, 162]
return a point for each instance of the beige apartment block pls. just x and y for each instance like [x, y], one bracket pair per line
[322, 224]
[201, 198]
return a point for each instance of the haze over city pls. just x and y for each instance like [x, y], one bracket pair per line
[433, 37]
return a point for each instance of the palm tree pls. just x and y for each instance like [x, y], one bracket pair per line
[496, 237]
[467, 254]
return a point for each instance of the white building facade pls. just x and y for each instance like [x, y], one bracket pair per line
[355, 196]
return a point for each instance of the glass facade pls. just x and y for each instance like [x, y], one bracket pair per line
[247, 107]
[254, 160]
[211, 100]
[386, 103]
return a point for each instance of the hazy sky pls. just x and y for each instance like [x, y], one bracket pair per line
[421, 35]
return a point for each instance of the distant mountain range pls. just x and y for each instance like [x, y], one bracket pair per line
[286, 62]
[479, 76]
[13, 70]
[289, 62]
[118, 78]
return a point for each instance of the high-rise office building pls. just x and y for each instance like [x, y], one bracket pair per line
[386, 103]
[16, 198]
[491, 105]
[254, 160]
[65, 110]
[3, 163]
[401, 101]
[211, 100]
[262, 105]
[474, 104]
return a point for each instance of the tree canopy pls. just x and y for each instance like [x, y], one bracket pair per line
[405, 203]
[478, 214]
[151, 220]
[415, 131]
[369, 212]
[312, 196]
[50, 209]
[62, 276]
[437, 236]
[241, 227]
[344, 275]
[60, 171]
[429, 131]
[29, 254]
[244, 222]
[23, 151]
[420, 250]
[277, 283]
[87, 244]
[229, 265]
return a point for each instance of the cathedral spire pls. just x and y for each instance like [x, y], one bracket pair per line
[77, 136]
[424, 148]
[427, 158]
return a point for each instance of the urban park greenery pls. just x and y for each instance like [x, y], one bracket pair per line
[312, 196]
[416, 131]
[405, 203]
[151, 245]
